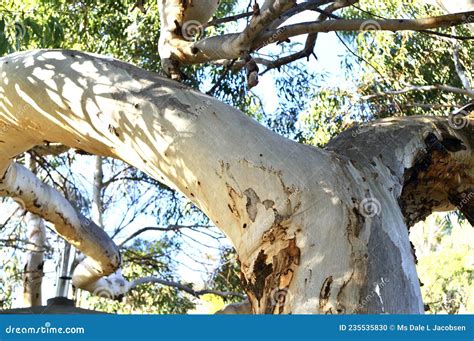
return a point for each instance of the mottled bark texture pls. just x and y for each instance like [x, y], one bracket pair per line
[316, 230]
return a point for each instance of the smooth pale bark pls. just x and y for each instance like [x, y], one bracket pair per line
[241, 308]
[297, 215]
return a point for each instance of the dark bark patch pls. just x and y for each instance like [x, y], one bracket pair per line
[356, 226]
[324, 295]
[325, 291]
[234, 197]
[261, 270]
[270, 281]
[413, 252]
[268, 204]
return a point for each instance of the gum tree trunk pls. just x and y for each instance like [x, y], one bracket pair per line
[33, 270]
[316, 231]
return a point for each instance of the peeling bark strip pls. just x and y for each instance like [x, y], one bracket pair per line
[268, 289]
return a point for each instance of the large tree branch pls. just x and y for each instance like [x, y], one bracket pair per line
[392, 25]
[182, 287]
[431, 160]
[165, 122]
[446, 88]
[271, 10]
[92, 274]
[226, 46]
[38, 198]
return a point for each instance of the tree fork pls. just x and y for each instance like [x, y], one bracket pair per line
[316, 230]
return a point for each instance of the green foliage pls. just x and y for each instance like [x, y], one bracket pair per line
[448, 270]
[227, 275]
[394, 61]
[388, 61]
[10, 271]
[327, 118]
[28, 25]
[146, 259]
[112, 27]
